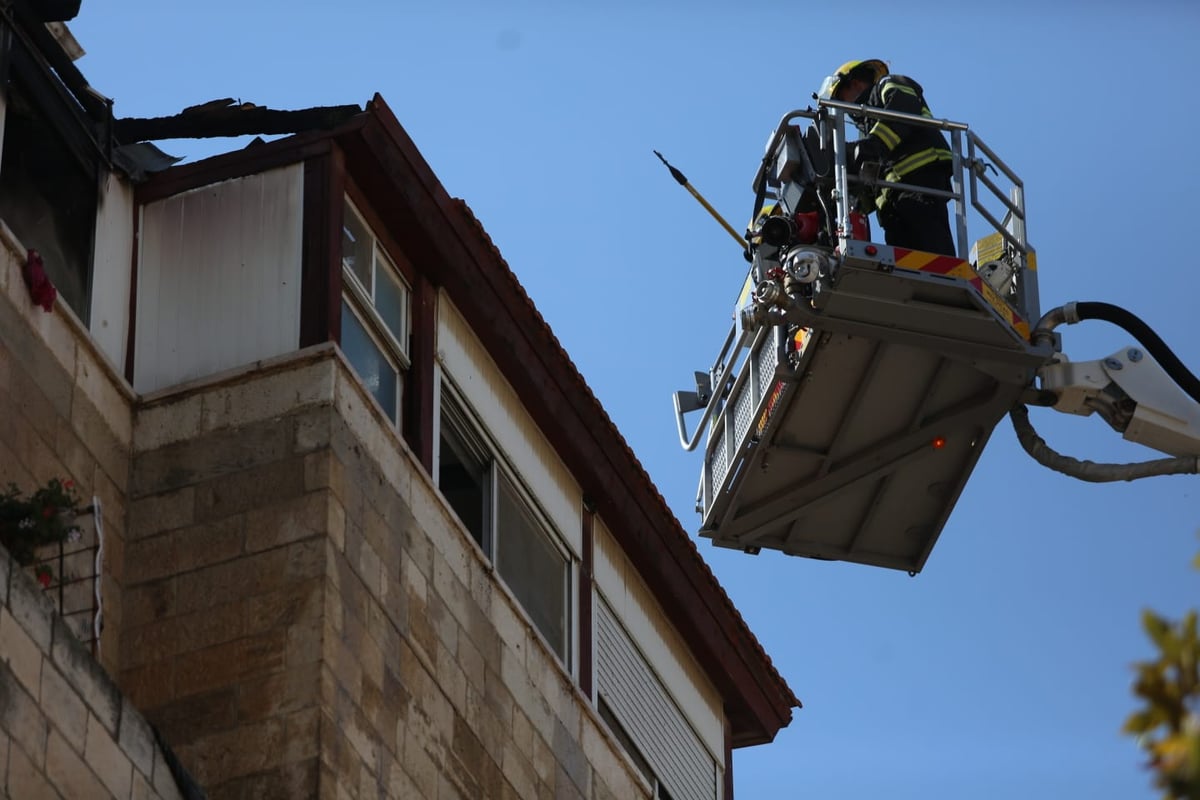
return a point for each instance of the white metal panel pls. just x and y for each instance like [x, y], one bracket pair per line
[111, 267]
[660, 644]
[219, 277]
[515, 432]
[648, 714]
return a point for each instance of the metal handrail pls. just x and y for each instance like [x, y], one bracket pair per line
[830, 119]
[722, 375]
[1012, 230]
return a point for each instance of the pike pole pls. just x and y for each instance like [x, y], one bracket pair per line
[683, 181]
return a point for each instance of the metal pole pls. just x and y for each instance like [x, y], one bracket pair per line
[956, 185]
[841, 190]
[683, 181]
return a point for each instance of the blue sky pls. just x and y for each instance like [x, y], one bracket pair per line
[1003, 670]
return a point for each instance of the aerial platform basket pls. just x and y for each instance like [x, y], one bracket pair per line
[846, 413]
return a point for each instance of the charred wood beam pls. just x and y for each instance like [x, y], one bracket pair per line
[27, 19]
[224, 118]
[55, 10]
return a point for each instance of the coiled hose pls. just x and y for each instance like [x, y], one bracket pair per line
[1090, 470]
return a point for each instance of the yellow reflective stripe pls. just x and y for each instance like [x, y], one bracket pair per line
[886, 135]
[891, 86]
[917, 160]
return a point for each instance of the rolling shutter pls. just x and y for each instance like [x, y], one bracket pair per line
[650, 717]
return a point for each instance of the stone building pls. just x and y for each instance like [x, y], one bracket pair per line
[361, 528]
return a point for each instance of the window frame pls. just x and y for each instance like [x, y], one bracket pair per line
[361, 302]
[498, 474]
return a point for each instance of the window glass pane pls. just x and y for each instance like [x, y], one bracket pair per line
[465, 481]
[357, 244]
[391, 301]
[369, 362]
[532, 567]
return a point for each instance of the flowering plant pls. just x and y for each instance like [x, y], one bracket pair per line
[45, 517]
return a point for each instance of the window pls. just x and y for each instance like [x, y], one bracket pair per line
[465, 474]
[375, 302]
[48, 180]
[504, 522]
[532, 565]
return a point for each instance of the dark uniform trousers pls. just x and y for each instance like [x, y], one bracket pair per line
[917, 222]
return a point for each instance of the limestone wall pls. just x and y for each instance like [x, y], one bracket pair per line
[64, 413]
[306, 619]
[66, 731]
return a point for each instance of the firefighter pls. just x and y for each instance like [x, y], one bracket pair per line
[912, 154]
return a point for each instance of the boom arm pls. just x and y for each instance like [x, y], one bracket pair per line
[1148, 395]
[1133, 394]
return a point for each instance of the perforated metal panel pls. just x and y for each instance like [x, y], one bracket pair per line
[649, 715]
[718, 463]
[765, 360]
[746, 413]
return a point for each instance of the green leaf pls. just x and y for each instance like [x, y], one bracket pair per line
[1156, 628]
[1143, 721]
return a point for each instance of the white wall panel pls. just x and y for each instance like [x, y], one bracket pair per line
[219, 277]
[464, 359]
[658, 641]
[111, 267]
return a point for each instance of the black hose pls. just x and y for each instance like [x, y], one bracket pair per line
[1148, 339]
[1090, 470]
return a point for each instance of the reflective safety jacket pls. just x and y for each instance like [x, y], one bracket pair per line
[914, 154]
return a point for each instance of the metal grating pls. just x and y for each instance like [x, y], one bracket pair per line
[765, 360]
[69, 573]
[718, 464]
[743, 412]
[748, 409]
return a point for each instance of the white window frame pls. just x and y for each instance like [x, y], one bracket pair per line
[361, 300]
[499, 474]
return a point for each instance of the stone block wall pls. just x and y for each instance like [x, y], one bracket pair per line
[436, 684]
[66, 414]
[305, 618]
[228, 538]
[66, 731]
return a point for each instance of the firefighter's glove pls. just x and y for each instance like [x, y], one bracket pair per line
[865, 151]
[865, 157]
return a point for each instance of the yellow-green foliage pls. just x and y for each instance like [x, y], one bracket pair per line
[1168, 725]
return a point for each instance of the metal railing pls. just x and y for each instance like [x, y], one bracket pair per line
[729, 376]
[830, 122]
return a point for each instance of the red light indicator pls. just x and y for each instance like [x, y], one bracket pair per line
[939, 443]
[871, 249]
